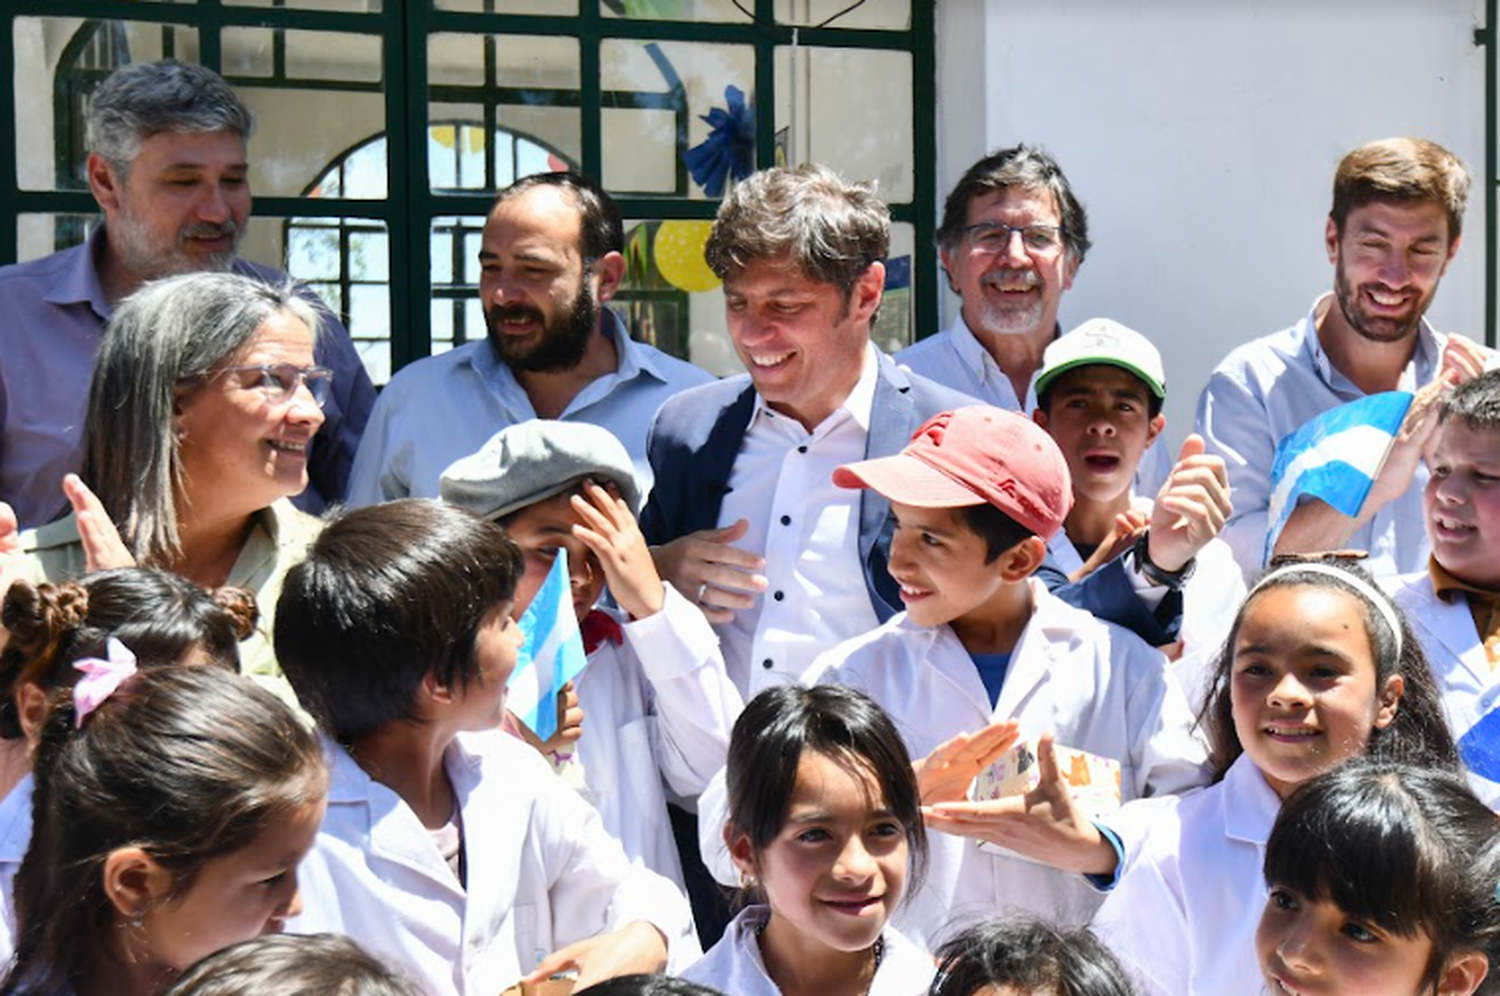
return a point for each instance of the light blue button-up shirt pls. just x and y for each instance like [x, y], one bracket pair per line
[445, 407]
[1269, 388]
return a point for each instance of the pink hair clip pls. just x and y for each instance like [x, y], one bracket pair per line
[100, 679]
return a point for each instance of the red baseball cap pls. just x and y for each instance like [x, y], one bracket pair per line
[974, 456]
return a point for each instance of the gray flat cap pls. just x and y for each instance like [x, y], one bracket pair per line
[534, 460]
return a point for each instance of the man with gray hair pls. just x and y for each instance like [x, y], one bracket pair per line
[167, 166]
[1012, 238]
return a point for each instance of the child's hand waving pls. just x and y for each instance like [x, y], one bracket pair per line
[610, 532]
[1043, 824]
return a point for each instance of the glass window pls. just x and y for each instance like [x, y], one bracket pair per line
[656, 96]
[496, 90]
[58, 63]
[890, 14]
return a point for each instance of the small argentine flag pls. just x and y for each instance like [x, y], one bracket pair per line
[552, 654]
[1334, 457]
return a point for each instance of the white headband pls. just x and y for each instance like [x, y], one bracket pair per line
[1378, 600]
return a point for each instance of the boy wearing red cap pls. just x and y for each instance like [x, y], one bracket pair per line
[975, 497]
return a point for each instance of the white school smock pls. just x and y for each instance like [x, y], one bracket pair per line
[1183, 918]
[15, 836]
[542, 873]
[657, 706]
[734, 964]
[1210, 600]
[1469, 687]
[1094, 685]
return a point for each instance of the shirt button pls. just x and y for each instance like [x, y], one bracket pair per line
[766, 664]
[779, 595]
[802, 449]
[786, 520]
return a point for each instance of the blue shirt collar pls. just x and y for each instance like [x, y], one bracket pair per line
[78, 281]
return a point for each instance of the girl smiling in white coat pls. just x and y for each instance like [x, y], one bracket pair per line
[1319, 667]
[457, 855]
[825, 829]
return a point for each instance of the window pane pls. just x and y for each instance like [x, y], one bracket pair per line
[566, 7]
[58, 63]
[895, 14]
[655, 96]
[853, 113]
[342, 6]
[290, 158]
[39, 235]
[894, 323]
[670, 298]
[681, 10]
[455, 281]
[346, 262]
[529, 88]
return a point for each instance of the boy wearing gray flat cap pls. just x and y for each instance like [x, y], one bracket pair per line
[657, 701]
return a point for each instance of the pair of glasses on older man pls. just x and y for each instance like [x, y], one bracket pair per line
[278, 382]
[993, 237]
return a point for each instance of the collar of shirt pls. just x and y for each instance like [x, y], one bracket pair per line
[974, 356]
[632, 360]
[1417, 373]
[1484, 605]
[858, 405]
[78, 283]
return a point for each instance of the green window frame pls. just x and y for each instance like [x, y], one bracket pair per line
[411, 206]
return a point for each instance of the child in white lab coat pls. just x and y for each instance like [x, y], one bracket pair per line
[460, 858]
[1099, 395]
[1383, 880]
[172, 806]
[975, 496]
[1024, 954]
[656, 701]
[163, 618]
[1319, 667]
[825, 829]
[1454, 605]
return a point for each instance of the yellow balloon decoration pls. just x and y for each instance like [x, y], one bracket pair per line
[679, 255]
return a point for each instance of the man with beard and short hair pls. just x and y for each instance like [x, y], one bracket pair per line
[1396, 223]
[167, 165]
[1011, 239]
[550, 257]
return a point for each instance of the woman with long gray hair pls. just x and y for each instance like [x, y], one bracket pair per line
[204, 401]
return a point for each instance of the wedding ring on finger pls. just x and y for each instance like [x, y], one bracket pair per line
[702, 588]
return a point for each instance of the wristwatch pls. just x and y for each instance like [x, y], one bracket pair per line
[1173, 580]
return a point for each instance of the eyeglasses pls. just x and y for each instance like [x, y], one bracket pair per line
[278, 381]
[993, 237]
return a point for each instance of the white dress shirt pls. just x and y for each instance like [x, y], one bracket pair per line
[808, 531]
[542, 873]
[734, 965]
[1183, 918]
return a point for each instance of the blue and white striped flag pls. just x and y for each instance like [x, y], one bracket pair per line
[1334, 457]
[552, 654]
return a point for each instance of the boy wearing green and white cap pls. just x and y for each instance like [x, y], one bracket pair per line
[1099, 395]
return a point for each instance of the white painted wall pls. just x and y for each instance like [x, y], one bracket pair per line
[1202, 138]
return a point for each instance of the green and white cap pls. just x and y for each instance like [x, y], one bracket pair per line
[1103, 340]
